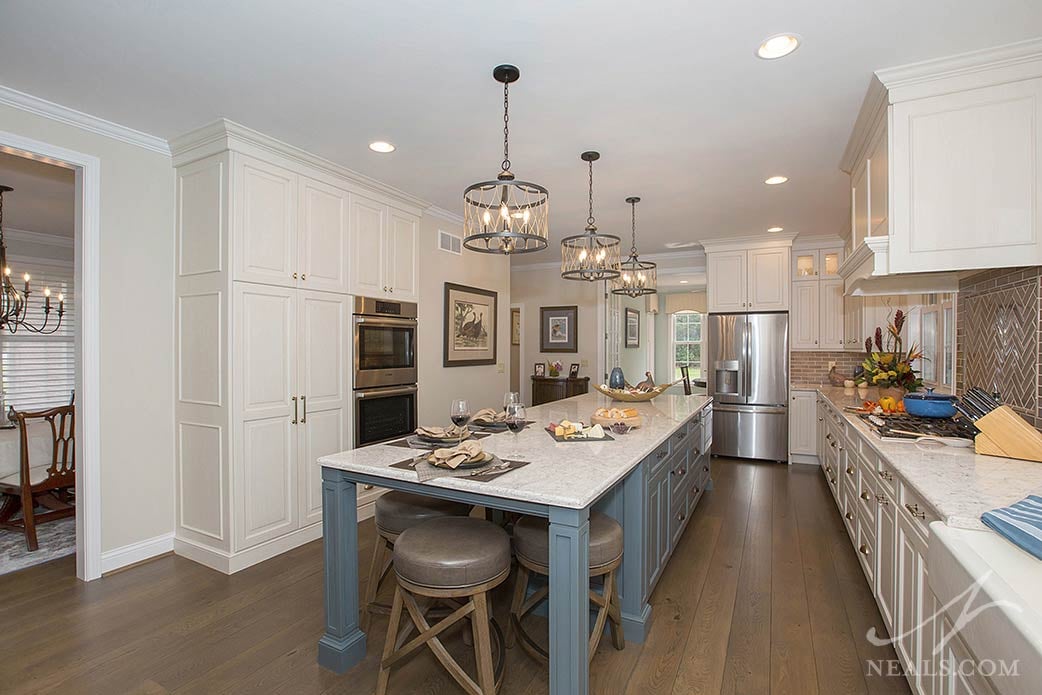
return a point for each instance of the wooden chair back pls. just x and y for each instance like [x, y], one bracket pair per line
[62, 469]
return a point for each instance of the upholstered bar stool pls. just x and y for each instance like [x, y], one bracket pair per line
[454, 560]
[396, 512]
[532, 549]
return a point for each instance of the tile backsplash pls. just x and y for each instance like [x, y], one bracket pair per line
[812, 367]
[998, 330]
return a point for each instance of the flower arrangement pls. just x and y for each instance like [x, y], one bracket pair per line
[555, 367]
[889, 365]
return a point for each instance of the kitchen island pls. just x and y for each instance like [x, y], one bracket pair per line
[649, 480]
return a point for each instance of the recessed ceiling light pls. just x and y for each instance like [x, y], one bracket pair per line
[775, 180]
[381, 146]
[680, 244]
[778, 46]
[683, 282]
[775, 229]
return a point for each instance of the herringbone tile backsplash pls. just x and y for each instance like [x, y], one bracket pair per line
[998, 337]
[812, 368]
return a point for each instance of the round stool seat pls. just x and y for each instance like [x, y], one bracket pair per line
[397, 511]
[452, 552]
[532, 539]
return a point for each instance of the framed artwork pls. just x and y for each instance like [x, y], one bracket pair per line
[540, 369]
[515, 326]
[632, 328]
[559, 329]
[470, 326]
[573, 370]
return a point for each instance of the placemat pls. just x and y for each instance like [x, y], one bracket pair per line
[606, 438]
[425, 471]
[404, 442]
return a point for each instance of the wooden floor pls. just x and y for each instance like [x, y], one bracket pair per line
[763, 595]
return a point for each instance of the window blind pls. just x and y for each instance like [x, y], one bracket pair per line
[39, 371]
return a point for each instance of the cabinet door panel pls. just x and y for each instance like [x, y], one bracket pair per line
[803, 423]
[266, 223]
[265, 340]
[324, 433]
[830, 325]
[403, 256]
[805, 315]
[268, 479]
[323, 236]
[878, 183]
[368, 246]
[886, 556]
[768, 279]
[727, 281]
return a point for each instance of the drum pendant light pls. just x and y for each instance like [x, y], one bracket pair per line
[590, 256]
[637, 277]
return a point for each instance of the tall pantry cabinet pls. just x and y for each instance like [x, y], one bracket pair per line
[263, 325]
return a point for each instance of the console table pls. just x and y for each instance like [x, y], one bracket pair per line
[546, 389]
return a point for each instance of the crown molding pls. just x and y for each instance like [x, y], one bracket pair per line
[27, 237]
[753, 241]
[224, 134]
[989, 66]
[63, 114]
[873, 110]
[820, 241]
[444, 214]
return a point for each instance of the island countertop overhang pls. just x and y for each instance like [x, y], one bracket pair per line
[562, 474]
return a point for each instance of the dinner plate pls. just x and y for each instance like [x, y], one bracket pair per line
[436, 440]
[465, 466]
[490, 426]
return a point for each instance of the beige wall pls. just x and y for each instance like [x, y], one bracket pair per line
[544, 287]
[137, 398]
[634, 361]
[484, 385]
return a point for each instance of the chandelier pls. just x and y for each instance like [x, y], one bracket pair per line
[590, 256]
[14, 305]
[506, 216]
[637, 277]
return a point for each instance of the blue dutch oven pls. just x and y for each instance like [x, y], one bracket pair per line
[930, 404]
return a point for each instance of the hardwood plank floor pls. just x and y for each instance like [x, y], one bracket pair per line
[763, 595]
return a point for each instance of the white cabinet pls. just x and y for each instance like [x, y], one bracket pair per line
[830, 324]
[817, 319]
[853, 323]
[806, 314]
[809, 264]
[803, 425]
[752, 279]
[384, 258]
[322, 247]
[886, 553]
[265, 222]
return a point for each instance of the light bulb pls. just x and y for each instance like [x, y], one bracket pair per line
[61, 297]
[7, 272]
[26, 276]
[488, 217]
[582, 256]
[528, 213]
[504, 212]
[46, 291]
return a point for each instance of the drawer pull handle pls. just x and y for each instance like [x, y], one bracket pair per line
[882, 500]
[865, 496]
[832, 480]
[368, 487]
[681, 516]
[697, 489]
[849, 516]
[705, 468]
[913, 509]
[885, 475]
[660, 455]
[850, 470]
[863, 549]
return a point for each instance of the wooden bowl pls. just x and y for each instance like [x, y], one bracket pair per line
[607, 422]
[632, 397]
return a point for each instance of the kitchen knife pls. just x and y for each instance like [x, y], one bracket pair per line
[984, 405]
[971, 411]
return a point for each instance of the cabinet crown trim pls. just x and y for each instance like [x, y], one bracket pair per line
[224, 134]
[741, 243]
[873, 111]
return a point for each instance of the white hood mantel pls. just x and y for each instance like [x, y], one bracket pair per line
[866, 273]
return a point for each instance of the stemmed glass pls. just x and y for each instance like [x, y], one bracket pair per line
[516, 420]
[459, 413]
[511, 397]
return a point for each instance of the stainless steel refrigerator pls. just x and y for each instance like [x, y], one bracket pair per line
[748, 358]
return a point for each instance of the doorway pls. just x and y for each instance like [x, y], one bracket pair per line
[516, 328]
[78, 267]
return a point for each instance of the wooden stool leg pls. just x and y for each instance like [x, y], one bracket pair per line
[603, 602]
[618, 637]
[373, 586]
[483, 644]
[389, 642]
[520, 589]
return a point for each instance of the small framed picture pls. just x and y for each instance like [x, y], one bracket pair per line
[540, 369]
[632, 328]
[573, 370]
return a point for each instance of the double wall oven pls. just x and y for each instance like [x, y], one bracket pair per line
[384, 369]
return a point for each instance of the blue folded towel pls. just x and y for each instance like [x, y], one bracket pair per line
[1019, 523]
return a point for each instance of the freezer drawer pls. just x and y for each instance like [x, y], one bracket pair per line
[752, 432]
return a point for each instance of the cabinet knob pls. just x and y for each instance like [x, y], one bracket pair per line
[849, 516]
[303, 276]
[863, 549]
[865, 496]
[368, 487]
[294, 276]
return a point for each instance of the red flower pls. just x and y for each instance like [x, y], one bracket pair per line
[899, 320]
[868, 346]
[879, 338]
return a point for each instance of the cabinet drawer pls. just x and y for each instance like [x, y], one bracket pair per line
[680, 439]
[910, 503]
[866, 548]
[680, 475]
[678, 509]
[867, 491]
[657, 458]
[885, 475]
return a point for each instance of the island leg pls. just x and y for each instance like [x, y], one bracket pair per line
[343, 645]
[569, 601]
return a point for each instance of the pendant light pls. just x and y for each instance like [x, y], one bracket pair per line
[637, 277]
[590, 256]
[14, 303]
[506, 216]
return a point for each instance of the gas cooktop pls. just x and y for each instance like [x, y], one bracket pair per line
[910, 427]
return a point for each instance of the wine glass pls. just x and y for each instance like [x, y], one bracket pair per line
[516, 420]
[459, 413]
[511, 397]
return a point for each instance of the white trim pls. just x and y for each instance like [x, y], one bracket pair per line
[27, 237]
[754, 241]
[88, 373]
[872, 111]
[521, 381]
[230, 563]
[444, 214]
[63, 114]
[117, 558]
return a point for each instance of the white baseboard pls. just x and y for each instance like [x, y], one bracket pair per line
[807, 459]
[136, 552]
[230, 563]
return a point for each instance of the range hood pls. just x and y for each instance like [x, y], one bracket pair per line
[866, 273]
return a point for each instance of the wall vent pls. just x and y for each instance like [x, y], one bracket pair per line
[450, 243]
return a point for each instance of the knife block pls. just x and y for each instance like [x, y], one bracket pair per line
[1004, 433]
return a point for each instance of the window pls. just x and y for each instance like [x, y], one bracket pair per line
[39, 371]
[937, 336]
[687, 343]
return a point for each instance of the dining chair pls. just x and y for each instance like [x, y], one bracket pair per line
[51, 485]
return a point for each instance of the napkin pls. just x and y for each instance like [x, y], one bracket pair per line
[450, 432]
[489, 415]
[1019, 523]
[456, 456]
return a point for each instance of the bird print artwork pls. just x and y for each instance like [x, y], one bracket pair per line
[470, 331]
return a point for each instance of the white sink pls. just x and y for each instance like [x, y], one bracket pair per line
[1004, 619]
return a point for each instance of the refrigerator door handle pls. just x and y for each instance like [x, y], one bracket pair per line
[739, 408]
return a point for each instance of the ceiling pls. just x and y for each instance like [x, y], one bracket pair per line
[671, 93]
[43, 199]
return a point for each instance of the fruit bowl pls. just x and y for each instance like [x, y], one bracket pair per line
[629, 396]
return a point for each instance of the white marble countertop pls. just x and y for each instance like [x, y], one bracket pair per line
[564, 474]
[959, 484]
